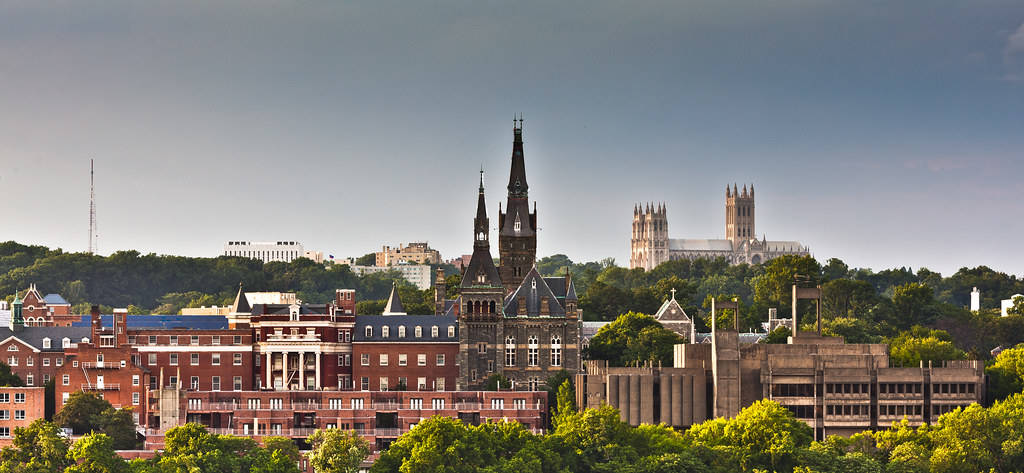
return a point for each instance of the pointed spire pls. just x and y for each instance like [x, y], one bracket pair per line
[728, 193]
[751, 190]
[744, 190]
[735, 190]
[241, 304]
[394, 305]
[517, 186]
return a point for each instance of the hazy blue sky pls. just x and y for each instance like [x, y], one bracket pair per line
[883, 133]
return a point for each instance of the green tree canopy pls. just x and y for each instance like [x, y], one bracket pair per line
[337, 451]
[94, 453]
[9, 378]
[39, 448]
[919, 344]
[634, 338]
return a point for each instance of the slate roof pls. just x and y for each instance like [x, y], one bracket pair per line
[481, 262]
[665, 315]
[241, 305]
[410, 322]
[55, 299]
[394, 305]
[699, 244]
[198, 322]
[534, 288]
[34, 336]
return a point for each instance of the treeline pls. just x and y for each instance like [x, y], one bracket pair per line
[863, 306]
[149, 283]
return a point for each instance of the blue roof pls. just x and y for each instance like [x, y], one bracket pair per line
[197, 322]
[54, 299]
[426, 322]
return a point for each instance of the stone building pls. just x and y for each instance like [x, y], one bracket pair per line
[512, 320]
[413, 253]
[650, 244]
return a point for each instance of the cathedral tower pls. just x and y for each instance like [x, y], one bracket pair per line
[739, 214]
[649, 245]
[480, 306]
[517, 226]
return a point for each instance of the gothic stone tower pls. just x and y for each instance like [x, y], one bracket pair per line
[481, 309]
[517, 226]
[739, 214]
[649, 245]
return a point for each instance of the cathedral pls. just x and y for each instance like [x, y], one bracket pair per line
[512, 320]
[651, 246]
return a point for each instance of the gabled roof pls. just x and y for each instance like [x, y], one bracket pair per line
[34, 336]
[55, 299]
[481, 264]
[532, 291]
[394, 305]
[671, 311]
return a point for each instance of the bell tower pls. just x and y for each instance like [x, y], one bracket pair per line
[739, 214]
[517, 226]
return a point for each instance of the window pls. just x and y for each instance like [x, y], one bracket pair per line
[19, 398]
[12, 348]
[383, 359]
[357, 403]
[152, 339]
[384, 331]
[556, 351]
[135, 380]
[46, 362]
[215, 340]
[237, 381]
[195, 340]
[59, 361]
[132, 340]
[497, 403]
[401, 331]
[174, 339]
[5, 432]
[194, 383]
[451, 331]
[19, 414]
[418, 331]
[46, 343]
[276, 404]
[194, 359]
[369, 332]
[215, 383]
[30, 380]
[215, 359]
[481, 348]
[237, 340]
[174, 359]
[172, 382]
[65, 342]
[509, 352]
[152, 359]
[5, 414]
[416, 403]
[237, 359]
[65, 380]
[254, 403]
[421, 383]
[383, 383]
[433, 331]
[30, 361]
[439, 384]
[421, 359]
[5, 398]
[12, 361]
[364, 359]
[403, 359]
[519, 404]
[364, 384]
[440, 359]
[437, 403]
[532, 351]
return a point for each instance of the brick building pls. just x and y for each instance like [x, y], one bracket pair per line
[18, 408]
[38, 310]
[35, 354]
[405, 352]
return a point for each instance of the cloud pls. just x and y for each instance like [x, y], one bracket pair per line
[1013, 55]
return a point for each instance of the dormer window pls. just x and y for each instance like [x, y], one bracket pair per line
[518, 225]
[65, 342]
[46, 343]
[369, 332]
[419, 331]
[385, 331]
[401, 331]
[12, 348]
[294, 313]
[433, 331]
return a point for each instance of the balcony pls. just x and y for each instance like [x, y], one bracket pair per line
[113, 365]
[105, 387]
[299, 337]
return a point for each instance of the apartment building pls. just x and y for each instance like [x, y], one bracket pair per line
[18, 408]
[405, 352]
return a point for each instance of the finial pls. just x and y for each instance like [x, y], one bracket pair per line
[728, 193]
[481, 178]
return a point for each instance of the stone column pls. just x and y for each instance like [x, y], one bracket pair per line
[318, 356]
[269, 383]
[284, 371]
[302, 370]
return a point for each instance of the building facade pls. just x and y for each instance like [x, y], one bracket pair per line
[517, 226]
[413, 253]
[265, 251]
[37, 310]
[650, 244]
[418, 275]
[18, 408]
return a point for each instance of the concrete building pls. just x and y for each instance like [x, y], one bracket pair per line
[651, 246]
[834, 387]
[18, 408]
[1006, 304]
[265, 251]
[413, 253]
[417, 274]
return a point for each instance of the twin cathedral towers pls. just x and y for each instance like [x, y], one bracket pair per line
[512, 320]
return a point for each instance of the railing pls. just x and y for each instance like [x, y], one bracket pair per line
[305, 406]
[386, 405]
[469, 405]
[388, 432]
[287, 336]
[101, 365]
[105, 387]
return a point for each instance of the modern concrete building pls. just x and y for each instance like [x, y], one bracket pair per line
[417, 274]
[265, 251]
[1006, 304]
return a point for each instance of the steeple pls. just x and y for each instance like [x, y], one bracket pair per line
[241, 305]
[481, 224]
[394, 305]
[517, 186]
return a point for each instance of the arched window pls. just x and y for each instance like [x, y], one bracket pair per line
[418, 331]
[401, 331]
[532, 351]
[518, 225]
[556, 351]
[46, 343]
[369, 332]
[492, 311]
[433, 331]
[384, 331]
[510, 351]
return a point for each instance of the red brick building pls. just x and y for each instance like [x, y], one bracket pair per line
[50, 310]
[36, 353]
[407, 352]
[18, 408]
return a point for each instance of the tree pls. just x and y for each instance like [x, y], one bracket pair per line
[1006, 374]
[94, 453]
[369, 259]
[337, 451]
[8, 378]
[496, 382]
[1018, 306]
[39, 448]
[780, 335]
[191, 448]
[912, 347]
[566, 407]
[284, 445]
[914, 304]
[764, 435]
[553, 265]
[86, 412]
[774, 287]
[634, 338]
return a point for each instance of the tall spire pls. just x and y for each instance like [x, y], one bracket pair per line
[517, 186]
[481, 225]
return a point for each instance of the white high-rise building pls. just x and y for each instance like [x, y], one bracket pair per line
[265, 251]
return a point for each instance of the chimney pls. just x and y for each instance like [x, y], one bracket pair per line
[97, 325]
[120, 327]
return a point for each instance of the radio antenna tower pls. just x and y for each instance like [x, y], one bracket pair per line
[92, 210]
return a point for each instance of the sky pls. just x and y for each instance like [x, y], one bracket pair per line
[886, 134]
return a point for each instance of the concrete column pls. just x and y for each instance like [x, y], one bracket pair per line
[318, 356]
[613, 391]
[680, 403]
[624, 398]
[634, 400]
[269, 381]
[700, 399]
[647, 399]
[666, 399]
[302, 370]
[685, 386]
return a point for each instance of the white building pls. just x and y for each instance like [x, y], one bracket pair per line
[1007, 304]
[417, 274]
[265, 251]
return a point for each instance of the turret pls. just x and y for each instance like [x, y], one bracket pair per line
[440, 292]
[17, 319]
